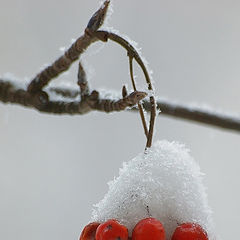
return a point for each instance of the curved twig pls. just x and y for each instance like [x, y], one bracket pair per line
[132, 53]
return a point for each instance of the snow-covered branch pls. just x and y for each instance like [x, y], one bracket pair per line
[40, 96]
[198, 114]
[66, 102]
[10, 93]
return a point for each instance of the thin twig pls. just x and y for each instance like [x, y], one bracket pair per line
[139, 104]
[107, 105]
[124, 91]
[152, 121]
[132, 53]
[72, 54]
[82, 81]
[61, 64]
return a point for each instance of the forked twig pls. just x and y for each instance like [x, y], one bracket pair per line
[91, 35]
[72, 54]
[36, 97]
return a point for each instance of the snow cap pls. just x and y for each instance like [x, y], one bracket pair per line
[165, 183]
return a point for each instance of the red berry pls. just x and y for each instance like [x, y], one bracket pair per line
[189, 231]
[148, 229]
[89, 232]
[112, 230]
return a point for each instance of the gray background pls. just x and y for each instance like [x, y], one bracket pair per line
[53, 168]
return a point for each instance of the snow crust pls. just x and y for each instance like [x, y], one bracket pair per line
[166, 183]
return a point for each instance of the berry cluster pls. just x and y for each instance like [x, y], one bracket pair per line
[146, 229]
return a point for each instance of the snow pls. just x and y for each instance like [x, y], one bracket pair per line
[112, 94]
[17, 83]
[68, 86]
[73, 40]
[166, 183]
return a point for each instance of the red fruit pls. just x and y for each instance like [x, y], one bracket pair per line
[189, 231]
[89, 232]
[148, 229]
[112, 230]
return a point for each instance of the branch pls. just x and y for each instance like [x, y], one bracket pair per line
[197, 114]
[9, 93]
[35, 97]
[72, 54]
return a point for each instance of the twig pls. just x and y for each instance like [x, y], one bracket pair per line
[9, 93]
[197, 115]
[82, 81]
[61, 64]
[139, 104]
[107, 105]
[124, 91]
[132, 53]
[72, 54]
[152, 121]
[35, 97]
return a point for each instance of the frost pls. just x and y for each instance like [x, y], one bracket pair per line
[73, 40]
[68, 86]
[165, 183]
[112, 94]
[132, 42]
[18, 83]
[45, 65]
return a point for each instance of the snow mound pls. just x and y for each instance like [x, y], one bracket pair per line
[165, 183]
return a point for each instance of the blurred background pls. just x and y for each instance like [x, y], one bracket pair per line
[54, 168]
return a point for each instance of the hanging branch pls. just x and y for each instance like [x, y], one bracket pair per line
[132, 53]
[36, 97]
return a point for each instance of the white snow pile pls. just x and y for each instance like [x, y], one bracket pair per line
[165, 183]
